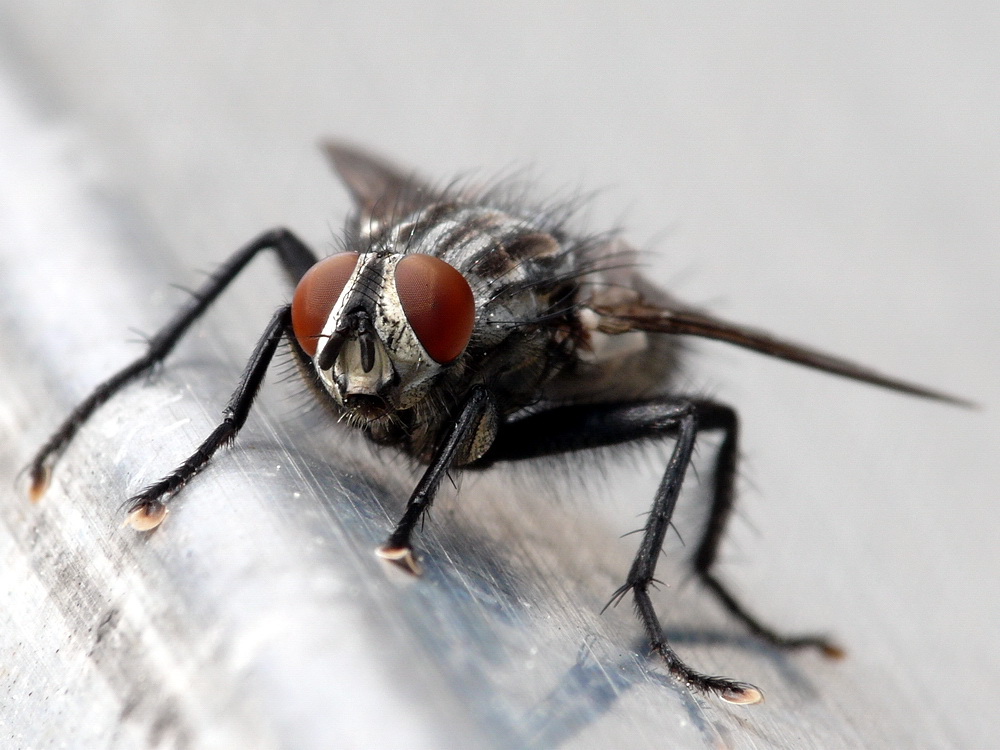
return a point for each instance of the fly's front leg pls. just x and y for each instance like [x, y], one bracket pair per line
[719, 416]
[467, 439]
[148, 508]
[296, 259]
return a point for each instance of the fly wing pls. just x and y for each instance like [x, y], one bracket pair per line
[633, 315]
[381, 190]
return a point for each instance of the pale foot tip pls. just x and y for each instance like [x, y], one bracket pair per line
[742, 694]
[832, 651]
[146, 517]
[40, 476]
[401, 556]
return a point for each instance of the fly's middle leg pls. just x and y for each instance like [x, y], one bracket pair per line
[721, 417]
[294, 256]
[148, 508]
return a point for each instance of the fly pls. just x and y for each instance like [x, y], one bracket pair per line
[465, 329]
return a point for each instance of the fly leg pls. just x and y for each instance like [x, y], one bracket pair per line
[719, 416]
[296, 258]
[147, 509]
[684, 418]
[474, 427]
[571, 428]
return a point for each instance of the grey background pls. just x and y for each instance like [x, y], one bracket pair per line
[831, 175]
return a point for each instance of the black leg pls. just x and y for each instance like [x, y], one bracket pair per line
[572, 428]
[719, 416]
[295, 258]
[148, 508]
[478, 414]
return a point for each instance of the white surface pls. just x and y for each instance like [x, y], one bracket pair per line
[830, 175]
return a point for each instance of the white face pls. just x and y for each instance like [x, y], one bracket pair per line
[401, 368]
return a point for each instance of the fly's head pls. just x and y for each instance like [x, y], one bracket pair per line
[381, 326]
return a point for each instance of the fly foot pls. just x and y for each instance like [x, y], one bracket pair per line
[401, 556]
[146, 515]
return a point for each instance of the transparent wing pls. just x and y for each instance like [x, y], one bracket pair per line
[381, 190]
[641, 316]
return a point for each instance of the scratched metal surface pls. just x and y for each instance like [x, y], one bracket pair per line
[831, 177]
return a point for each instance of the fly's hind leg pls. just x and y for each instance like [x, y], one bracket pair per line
[724, 418]
[571, 428]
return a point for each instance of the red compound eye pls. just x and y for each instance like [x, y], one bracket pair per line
[438, 304]
[317, 293]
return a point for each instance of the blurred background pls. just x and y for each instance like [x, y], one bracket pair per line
[828, 174]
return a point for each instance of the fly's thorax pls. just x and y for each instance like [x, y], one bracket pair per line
[616, 364]
[524, 273]
[439, 298]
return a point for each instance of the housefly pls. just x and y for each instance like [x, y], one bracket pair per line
[466, 328]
